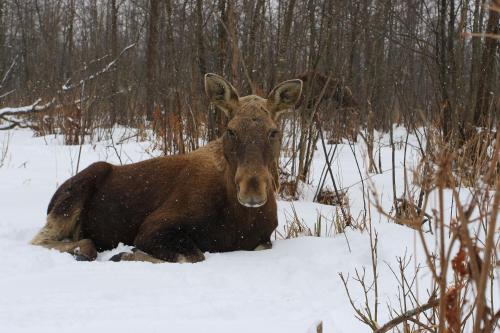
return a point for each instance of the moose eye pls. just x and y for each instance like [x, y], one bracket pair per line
[230, 133]
[273, 134]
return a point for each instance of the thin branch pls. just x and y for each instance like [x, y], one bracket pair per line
[7, 93]
[407, 315]
[67, 87]
[481, 34]
[7, 74]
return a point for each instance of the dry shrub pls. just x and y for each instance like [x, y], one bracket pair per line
[461, 295]
[453, 308]
[329, 197]
[294, 227]
[473, 158]
[287, 186]
[469, 157]
[288, 190]
[406, 211]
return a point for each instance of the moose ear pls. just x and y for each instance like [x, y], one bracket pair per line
[221, 93]
[284, 96]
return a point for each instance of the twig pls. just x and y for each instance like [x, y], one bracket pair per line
[481, 34]
[481, 287]
[407, 315]
[67, 87]
[7, 93]
[344, 214]
[6, 76]
[361, 316]
[34, 108]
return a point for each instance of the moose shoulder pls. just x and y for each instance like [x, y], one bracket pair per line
[217, 198]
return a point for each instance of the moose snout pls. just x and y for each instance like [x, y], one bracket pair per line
[251, 190]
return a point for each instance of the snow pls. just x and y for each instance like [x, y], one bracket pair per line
[289, 288]
[7, 111]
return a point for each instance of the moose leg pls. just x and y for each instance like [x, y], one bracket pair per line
[61, 233]
[169, 244]
[163, 237]
[62, 229]
[165, 246]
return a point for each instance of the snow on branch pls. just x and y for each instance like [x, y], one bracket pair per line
[9, 114]
[32, 108]
[109, 66]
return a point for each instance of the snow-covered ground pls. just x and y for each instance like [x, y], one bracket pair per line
[286, 289]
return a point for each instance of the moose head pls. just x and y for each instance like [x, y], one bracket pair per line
[252, 139]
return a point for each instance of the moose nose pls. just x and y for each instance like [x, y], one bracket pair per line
[253, 183]
[252, 202]
[252, 191]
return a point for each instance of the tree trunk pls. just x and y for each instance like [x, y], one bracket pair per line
[443, 69]
[284, 38]
[199, 38]
[487, 70]
[2, 39]
[151, 57]
[306, 114]
[256, 22]
[69, 61]
[114, 54]
[232, 25]
[475, 61]
[217, 120]
[94, 28]
[222, 36]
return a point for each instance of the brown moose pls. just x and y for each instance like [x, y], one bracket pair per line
[218, 198]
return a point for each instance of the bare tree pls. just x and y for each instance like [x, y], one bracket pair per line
[152, 57]
[487, 67]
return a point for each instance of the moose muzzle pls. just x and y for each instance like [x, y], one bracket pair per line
[252, 185]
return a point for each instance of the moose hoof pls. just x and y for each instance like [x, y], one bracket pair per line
[85, 251]
[264, 246]
[79, 257]
[136, 255]
[123, 256]
[190, 258]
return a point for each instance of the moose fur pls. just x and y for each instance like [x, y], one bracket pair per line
[218, 198]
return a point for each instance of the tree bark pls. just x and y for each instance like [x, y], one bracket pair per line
[487, 69]
[475, 60]
[151, 57]
[217, 120]
[256, 22]
[445, 104]
[2, 39]
[284, 38]
[232, 25]
[114, 54]
[202, 66]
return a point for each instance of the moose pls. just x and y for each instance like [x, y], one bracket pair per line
[218, 198]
